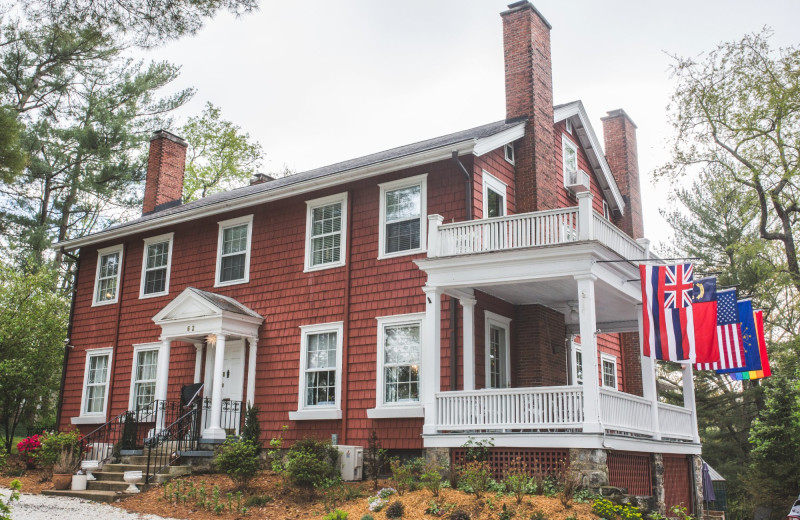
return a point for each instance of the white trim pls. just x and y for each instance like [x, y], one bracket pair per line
[613, 360]
[305, 411]
[495, 320]
[576, 349]
[493, 142]
[606, 211]
[401, 409]
[167, 237]
[100, 254]
[566, 142]
[391, 412]
[490, 182]
[569, 125]
[223, 225]
[141, 347]
[88, 419]
[509, 153]
[95, 352]
[422, 181]
[311, 205]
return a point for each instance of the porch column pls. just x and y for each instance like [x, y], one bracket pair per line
[468, 304]
[214, 430]
[162, 378]
[251, 370]
[649, 389]
[431, 356]
[688, 397]
[588, 327]
[198, 361]
[585, 217]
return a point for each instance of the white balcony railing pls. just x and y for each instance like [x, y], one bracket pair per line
[616, 240]
[675, 422]
[625, 412]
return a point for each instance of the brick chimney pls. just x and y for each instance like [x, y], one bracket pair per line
[529, 93]
[165, 166]
[619, 132]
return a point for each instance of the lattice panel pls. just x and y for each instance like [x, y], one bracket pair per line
[538, 461]
[632, 471]
[677, 489]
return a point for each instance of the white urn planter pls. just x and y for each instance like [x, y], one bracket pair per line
[132, 477]
[88, 466]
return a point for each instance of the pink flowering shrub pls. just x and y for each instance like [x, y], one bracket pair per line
[27, 447]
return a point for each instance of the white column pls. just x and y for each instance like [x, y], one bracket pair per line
[251, 370]
[468, 304]
[688, 397]
[198, 361]
[431, 356]
[162, 380]
[588, 327]
[585, 216]
[649, 389]
[214, 430]
[434, 221]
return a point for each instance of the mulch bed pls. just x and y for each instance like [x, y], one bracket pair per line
[33, 480]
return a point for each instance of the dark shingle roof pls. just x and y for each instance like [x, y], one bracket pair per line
[225, 303]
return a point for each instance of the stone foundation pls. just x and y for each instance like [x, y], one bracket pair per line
[591, 465]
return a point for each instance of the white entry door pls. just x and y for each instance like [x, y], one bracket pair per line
[232, 384]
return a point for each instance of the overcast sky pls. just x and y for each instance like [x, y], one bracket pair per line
[317, 82]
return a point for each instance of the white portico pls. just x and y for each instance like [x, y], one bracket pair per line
[212, 321]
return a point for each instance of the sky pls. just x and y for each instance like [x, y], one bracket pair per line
[317, 82]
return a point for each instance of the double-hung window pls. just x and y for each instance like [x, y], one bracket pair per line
[143, 378]
[577, 364]
[494, 196]
[233, 251]
[570, 160]
[609, 366]
[399, 355]
[403, 215]
[156, 266]
[326, 232]
[498, 362]
[320, 372]
[109, 269]
[95, 386]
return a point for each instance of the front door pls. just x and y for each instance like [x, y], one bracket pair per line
[232, 384]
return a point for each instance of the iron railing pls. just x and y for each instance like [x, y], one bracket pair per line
[165, 447]
[230, 418]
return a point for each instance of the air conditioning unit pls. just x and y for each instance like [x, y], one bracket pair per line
[577, 181]
[351, 462]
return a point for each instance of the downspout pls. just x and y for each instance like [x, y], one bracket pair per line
[67, 346]
[453, 300]
[346, 321]
[115, 346]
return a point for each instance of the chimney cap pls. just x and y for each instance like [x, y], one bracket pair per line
[261, 178]
[166, 134]
[525, 4]
[618, 113]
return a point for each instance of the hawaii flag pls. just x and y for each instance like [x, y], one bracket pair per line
[667, 317]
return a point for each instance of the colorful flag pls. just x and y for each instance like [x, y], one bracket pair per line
[766, 370]
[752, 357]
[667, 312]
[729, 336]
[704, 313]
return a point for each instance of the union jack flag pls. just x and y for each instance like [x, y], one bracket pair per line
[678, 286]
[667, 317]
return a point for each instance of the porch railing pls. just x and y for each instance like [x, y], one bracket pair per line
[611, 236]
[230, 418]
[166, 446]
[511, 408]
[675, 422]
[625, 412]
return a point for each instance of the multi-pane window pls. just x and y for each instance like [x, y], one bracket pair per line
[321, 362]
[494, 196]
[144, 378]
[233, 263]
[403, 210]
[156, 265]
[570, 159]
[401, 356]
[578, 366]
[96, 383]
[497, 347]
[609, 367]
[108, 272]
[326, 232]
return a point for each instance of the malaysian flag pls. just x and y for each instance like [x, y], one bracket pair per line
[729, 334]
[704, 312]
[667, 316]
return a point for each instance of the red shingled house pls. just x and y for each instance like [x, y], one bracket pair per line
[477, 285]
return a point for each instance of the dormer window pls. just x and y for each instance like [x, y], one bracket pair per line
[509, 152]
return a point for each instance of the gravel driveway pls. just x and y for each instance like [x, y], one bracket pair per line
[41, 507]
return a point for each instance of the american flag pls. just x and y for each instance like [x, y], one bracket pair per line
[729, 334]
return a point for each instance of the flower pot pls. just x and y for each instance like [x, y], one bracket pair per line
[62, 480]
[79, 482]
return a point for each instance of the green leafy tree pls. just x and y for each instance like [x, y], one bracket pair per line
[32, 331]
[220, 155]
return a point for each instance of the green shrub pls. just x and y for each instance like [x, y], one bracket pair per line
[374, 457]
[258, 500]
[477, 477]
[538, 515]
[459, 514]
[335, 515]
[606, 509]
[5, 506]
[516, 479]
[311, 462]
[402, 475]
[53, 444]
[367, 517]
[395, 510]
[477, 451]
[431, 478]
[505, 513]
[275, 453]
[239, 460]
[252, 429]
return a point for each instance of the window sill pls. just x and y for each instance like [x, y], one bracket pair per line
[143, 296]
[107, 302]
[315, 415]
[390, 412]
[409, 252]
[232, 282]
[323, 267]
[89, 419]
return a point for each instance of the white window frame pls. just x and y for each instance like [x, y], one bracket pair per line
[576, 349]
[317, 412]
[100, 254]
[167, 237]
[495, 320]
[490, 182]
[606, 212]
[508, 151]
[422, 181]
[569, 126]
[406, 409]
[607, 358]
[566, 142]
[223, 225]
[142, 347]
[96, 417]
[311, 205]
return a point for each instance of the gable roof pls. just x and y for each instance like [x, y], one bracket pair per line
[474, 140]
[594, 151]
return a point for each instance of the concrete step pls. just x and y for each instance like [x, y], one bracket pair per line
[113, 476]
[121, 468]
[97, 496]
[108, 485]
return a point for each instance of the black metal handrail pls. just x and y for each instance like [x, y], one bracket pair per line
[230, 415]
[165, 447]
